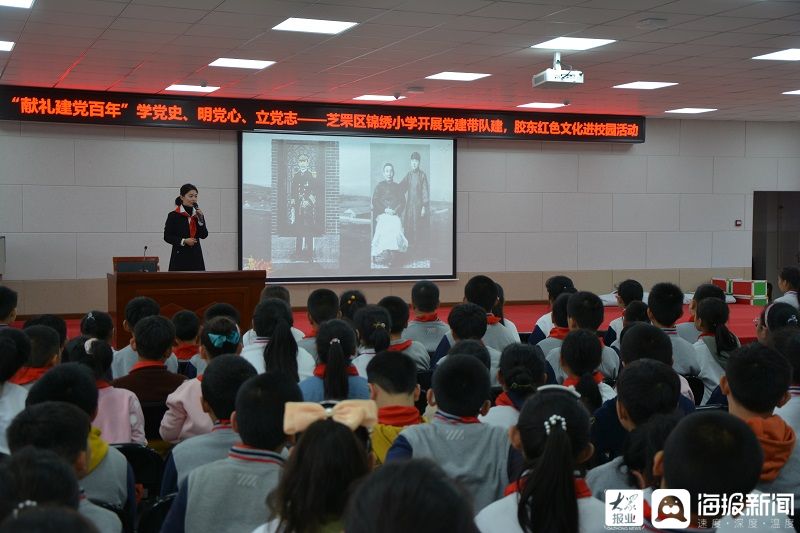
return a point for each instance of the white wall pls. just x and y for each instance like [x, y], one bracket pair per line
[71, 197]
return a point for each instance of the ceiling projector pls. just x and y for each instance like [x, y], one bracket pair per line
[556, 76]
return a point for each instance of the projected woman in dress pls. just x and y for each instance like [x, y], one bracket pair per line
[388, 202]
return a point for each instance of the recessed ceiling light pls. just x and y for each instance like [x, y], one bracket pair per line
[254, 64]
[6, 46]
[457, 76]
[646, 85]
[790, 54]
[25, 4]
[543, 105]
[379, 97]
[192, 88]
[330, 27]
[573, 43]
[792, 92]
[690, 110]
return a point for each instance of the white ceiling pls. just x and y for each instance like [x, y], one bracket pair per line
[146, 45]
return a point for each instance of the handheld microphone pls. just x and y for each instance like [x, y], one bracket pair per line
[196, 206]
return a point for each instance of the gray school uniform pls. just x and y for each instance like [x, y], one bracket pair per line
[429, 334]
[498, 336]
[104, 520]
[684, 357]
[417, 353]
[309, 344]
[612, 475]
[108, 482]
[125, 358]
[609, 365]
[198, 363]
[687, 331]
[549, 344]
[202, 450]
[494, 364]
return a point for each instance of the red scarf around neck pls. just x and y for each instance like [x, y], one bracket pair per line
[399, 347]
[399, 416]
[28, 374]
[571, 381]
[147, 364]
[559, 333]
[504, 399]
[491, 319]
[192, 220]
[427, 317]
[102, 384]
[321, 369]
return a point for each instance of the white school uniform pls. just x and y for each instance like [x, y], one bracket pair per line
[498, 336]
[511, 327]
[684, 358]
[504, 416]
[12, 401]
[687, 331]
[501, 516]
[494, 362]
[710, 370]
[616, 325]
[790, 412]
[254, 354]
[789, 297]
[609, 365]
[544, 323]
[250, 336]
[125, 358]
[363, 358]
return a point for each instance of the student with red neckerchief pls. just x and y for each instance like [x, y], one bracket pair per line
[335, 378]
[45, 354]
[581, 355]
[184, 228]
[468, 322]
[560, 328]
[521, 372]
[398, 313]
[553, 434]
[426, 327]
[715, 344]
[373, 324]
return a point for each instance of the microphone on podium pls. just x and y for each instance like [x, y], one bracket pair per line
[144, 259]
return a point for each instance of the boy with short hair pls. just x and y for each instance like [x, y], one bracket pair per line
[221, 382]
[474, 454]
[281, 293]
[627, 291]
[45, 354]
[756, 381]
[585, 311]
[393, 385]
[789, 282]
[398, 312]
[53, 321]
[8, 306]
[426, 327]
[555, 286]
[665, 308]
[187, 332]
[687, 330]
[228, 495]
[124, 359]
[468, 322]
[108, 477]
[64, 429]
[322, 305]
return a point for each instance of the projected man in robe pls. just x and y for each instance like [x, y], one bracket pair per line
[417, 209]
[388, 201]
[305, 209]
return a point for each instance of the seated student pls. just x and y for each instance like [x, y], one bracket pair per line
[560, 328]
[137, 309]
[326, 450]
[499, 311]
[47, 519]
[627, 291]
[119, 413]
[55, 322]
[774, 317]
[787, 342]
[96, 325]
[553, 434]
[521, 372]
[715, 344]
[393, 386]
[35, 477]
[275, 348]
[187, 331]
[45, 354]
[789, 283]
[474, 454]
[149, 379]
[581, 355]
[468, 322]
[281, 293]
[426, 327]
[665, 308]
[482, 291]
[645, 388]
[382, 502]
[197, 365]
[585, 311]
[322, 305]
[15, 348]
[8, 306]
[64, 429]
[635, 312]
[108, 476]
[221, 382]
[351, 301]
[228, 494]
[688, 330]
[757, 381]
[373, 324]
[712, 453]
[555, 286]
[640, 341]
[398, 315]
[335, 378]
[638, 455]
[185, 416]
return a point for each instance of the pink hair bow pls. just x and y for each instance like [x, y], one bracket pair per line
[352, 413]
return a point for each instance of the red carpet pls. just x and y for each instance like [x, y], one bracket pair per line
[525, 316]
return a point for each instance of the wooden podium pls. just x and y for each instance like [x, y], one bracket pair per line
[175, 291]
